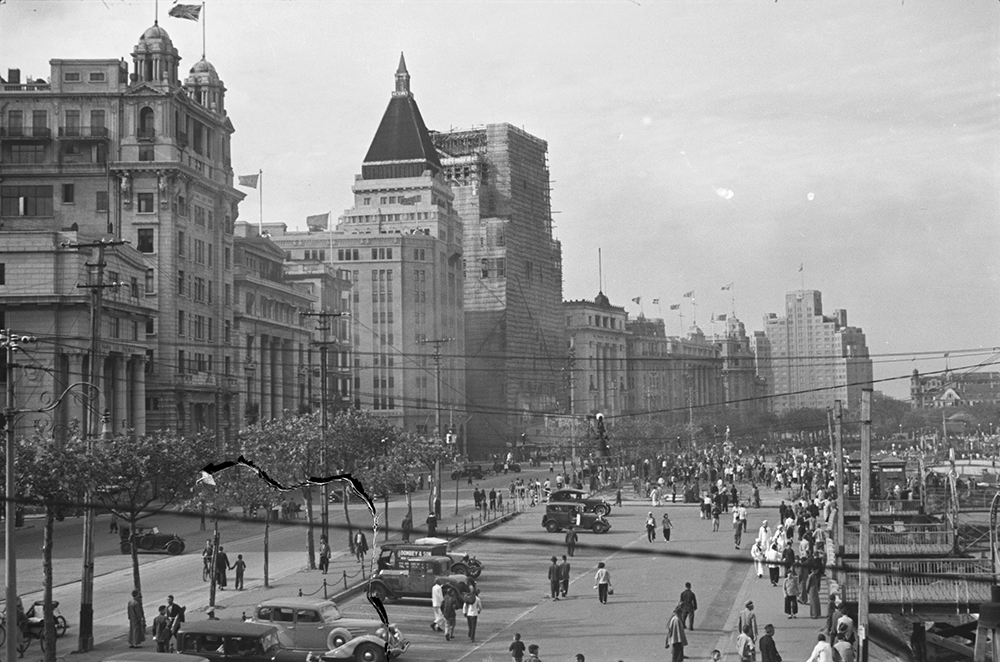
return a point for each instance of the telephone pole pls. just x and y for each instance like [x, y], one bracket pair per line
[864, 538]
[437, 378]
[86, 639]
[11, 343]
[324, 421]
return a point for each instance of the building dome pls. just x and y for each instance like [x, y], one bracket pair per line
[203, 72]
[155, 33]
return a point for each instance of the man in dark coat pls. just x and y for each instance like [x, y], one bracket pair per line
[554, 579]
[571, 539]
[768, 651]
[689, 603]
[221, 565]
[564, 576]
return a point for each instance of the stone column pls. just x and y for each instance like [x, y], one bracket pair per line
[119, 408]
[138, 387]
[265, 378]
[277, 379]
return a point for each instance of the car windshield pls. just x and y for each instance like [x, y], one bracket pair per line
[270, 640]
[330, 613]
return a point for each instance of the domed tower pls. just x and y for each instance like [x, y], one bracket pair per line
[204, 86]
[154, 58]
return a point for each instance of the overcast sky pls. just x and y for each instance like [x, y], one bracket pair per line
[697, 143]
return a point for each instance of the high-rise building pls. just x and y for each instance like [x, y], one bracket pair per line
[513, 283]
[814, 359]
[99, 153]
[402, 243]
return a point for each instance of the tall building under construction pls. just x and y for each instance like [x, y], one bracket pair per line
[513, 284]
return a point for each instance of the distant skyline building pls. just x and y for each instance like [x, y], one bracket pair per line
[809, 359]
[597, 339]
[512, 268]
[954, 389]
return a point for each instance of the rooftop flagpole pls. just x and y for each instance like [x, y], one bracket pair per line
[260, 202]
[203, 20]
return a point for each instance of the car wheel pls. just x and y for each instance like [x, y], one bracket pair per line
[460, 569]
[551, 526]
[175, 547]
[454, 475]
[369, 652]
[379, 592]
[146, 542]
[600, 528]
[475, 570]
[602, 509]
[517, 468]
[126, 547]
[336, 639]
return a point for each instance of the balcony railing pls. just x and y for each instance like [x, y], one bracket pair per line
[884, 506]
[904, 582]
[83, 132]
[26, 87]
[145, 134]
[901, 539]
[939, 499]
[28, 132]
[196, 379]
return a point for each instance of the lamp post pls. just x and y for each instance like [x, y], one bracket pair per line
[437, 378]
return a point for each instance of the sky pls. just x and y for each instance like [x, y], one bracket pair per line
[693, 143]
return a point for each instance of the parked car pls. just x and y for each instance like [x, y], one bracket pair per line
[234, 641]
[318, 625]
[559, 516]
[367, 648]
[392, 553]
[414, 578]
[504, 467]
[150, 656]
[590, 504]
[474, 470]
[150, 539]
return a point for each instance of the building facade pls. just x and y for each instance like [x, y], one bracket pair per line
[512, 267]
[597, 341]
[401, 241]
[743, 390]
[954, 389]
[812, 359]
[139, 156]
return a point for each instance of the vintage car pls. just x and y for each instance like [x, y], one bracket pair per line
[464, 471]
[234, 641]
[150, 656]
[391, 553]
[571, 495]
[366, 648]
[504, 467]
[559, 516]
[317, 625]
[414, 577]
[150, 539]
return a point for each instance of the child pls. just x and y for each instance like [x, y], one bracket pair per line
[533, 653]
[716, 511]
[240, 566]
[516, 648]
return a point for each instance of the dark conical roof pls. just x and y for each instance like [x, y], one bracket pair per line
[402, 137]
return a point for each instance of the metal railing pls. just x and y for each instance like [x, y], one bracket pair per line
[853, 505]
[968, 499]
[83, 132]
[901, 539]
[923, 581]
[25, 132]
[145, 134]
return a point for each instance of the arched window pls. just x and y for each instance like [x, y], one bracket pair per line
[146, 123]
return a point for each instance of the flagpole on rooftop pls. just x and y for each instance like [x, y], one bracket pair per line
[156, 12]
[203, 20]
[260, 202]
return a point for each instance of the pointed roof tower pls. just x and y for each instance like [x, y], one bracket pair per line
[402, 145]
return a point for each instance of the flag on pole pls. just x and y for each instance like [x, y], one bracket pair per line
[675, 306]
[637, 299]
[689, 295]
[318, 222]
[250, 181]
[727, 287]
[721, 318]
[189, 12]
[656, 302]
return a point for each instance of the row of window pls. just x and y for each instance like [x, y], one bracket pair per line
[77, 77]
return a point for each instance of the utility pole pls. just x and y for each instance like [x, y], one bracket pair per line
[11, 343]
[437, 378]
[324, 420]
[838, 417]
[864, 540]
[86, 639]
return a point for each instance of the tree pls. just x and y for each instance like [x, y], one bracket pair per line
[142, 476]
[57, 476]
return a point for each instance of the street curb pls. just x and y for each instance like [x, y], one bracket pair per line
[460, 539]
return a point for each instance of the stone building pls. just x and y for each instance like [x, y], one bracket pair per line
[597, 339]
[743, 390]
[512, 267]
[954, 389]
[812, 359]
[141, 156]
[401, 242]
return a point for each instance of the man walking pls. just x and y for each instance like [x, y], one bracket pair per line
[689, 602]
[571, 540]
[747, 619]
[175, 613]
[161, 630]
[449, 609]
[564, 576]
[768, 651]
[554, 579]
[676, 639]
[437, 598]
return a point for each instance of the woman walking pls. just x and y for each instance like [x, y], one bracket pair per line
[791, 595]
[650, 527]
[815, 610]
[666, 527]
[602, 582]
[136, 621]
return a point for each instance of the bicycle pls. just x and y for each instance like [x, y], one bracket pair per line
[206, 562]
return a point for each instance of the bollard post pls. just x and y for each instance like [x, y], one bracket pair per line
[344, 572]
[363, 578]
[300, 592]
[325, 595]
